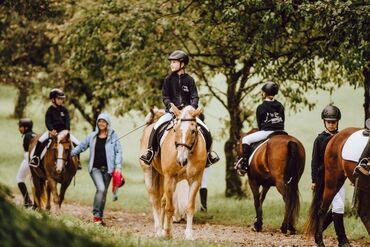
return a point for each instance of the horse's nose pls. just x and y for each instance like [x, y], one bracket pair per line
[59, 171]
[183, 162]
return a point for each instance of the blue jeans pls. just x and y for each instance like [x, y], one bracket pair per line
[101, 180]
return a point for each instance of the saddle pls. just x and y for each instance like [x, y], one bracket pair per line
[355, 145]
[256, 145]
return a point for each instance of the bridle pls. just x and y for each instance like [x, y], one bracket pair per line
[190, 147]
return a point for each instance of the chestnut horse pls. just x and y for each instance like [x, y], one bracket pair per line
[336, 170]
[278, 162]
[182, 155]
[57, 166]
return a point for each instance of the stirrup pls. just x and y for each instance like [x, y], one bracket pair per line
[212, 158]
[35, 161]
[148, 157]
[239, 167]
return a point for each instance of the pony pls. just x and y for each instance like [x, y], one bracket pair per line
[336, 171]
[57, 166]
[182, 155]
[279, 161]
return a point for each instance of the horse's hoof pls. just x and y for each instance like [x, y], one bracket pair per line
[292, 231]
[257, 227]
[189, 235]
[284, 229]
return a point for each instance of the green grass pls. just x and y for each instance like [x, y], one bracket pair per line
[305, 125]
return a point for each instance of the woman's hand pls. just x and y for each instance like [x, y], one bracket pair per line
[313, 186]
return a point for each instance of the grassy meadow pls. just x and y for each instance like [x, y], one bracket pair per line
[305, 125]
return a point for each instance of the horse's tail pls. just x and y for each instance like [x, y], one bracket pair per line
[291, 179]
[312, 222]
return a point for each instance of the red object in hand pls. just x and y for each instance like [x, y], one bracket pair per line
[118, 180]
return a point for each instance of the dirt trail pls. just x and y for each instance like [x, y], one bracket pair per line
[141, 225]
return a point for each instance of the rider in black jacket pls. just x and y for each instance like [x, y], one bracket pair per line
[331, 116]
[178, 89]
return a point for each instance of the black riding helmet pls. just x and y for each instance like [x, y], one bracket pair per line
[331, 113]
[180, 56]
[56, 93]
[270, 88]
[26, 123]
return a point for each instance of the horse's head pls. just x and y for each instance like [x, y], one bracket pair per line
[186, 132]
[62, 148]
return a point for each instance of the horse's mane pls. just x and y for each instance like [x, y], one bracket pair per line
[154, 115]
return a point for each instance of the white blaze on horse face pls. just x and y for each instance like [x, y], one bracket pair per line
[182, 151]
[60, 161]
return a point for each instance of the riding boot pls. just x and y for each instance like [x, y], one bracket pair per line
[203, 199]
[340, 231]
[148, 156]
[327, 220]
[35, 160]
[212, 156]
[242, 165]
[26, 198]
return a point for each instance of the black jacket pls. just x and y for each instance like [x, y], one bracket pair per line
[318, 151]
[57, 118]
[179, 90]
[27, 139]
[270, 115]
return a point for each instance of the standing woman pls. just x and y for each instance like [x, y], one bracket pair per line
[25, 128]
[105, 158]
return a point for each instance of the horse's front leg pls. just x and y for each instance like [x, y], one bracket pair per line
[54, 190]
[63, 189]
[257, 205]
[153, 185]
[193, 190]
[169, 188]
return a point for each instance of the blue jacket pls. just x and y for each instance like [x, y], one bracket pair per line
[112, 146]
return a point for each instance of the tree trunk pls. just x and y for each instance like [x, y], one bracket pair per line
[20, 105]
[233, 182]
[366, 73]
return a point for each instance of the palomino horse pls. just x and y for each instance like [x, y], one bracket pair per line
[336, 170]
[57, 166]
[277, 162]
[182, 155]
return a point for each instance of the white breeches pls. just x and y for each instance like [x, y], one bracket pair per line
[338, 201]
[168, 116]
[165, 118]
[256, 136]
[24, 170]
[204, 179]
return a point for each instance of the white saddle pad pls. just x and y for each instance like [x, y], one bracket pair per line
[354, 146]
[251, 157]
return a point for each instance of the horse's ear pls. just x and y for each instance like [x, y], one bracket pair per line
[175, 110]
[197, 112]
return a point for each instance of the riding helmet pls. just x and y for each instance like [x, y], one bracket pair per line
[180, 56]
[331, 112]
[26, 123]
[270, 88]
[56, 93]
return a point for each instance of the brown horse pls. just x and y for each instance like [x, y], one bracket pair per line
[57, 166]
[336, 170]
[182, 155]
[277, 162]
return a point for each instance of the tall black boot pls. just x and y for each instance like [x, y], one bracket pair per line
[242, 164]
[203, 199]
[148, 156]
[26, 198]
[327, 220]
[35, 160]
[212, 156]
[340, 231]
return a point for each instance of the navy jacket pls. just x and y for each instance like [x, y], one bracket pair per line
[57, 118]
[318, 151]
[270, 115]
[179, 90]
